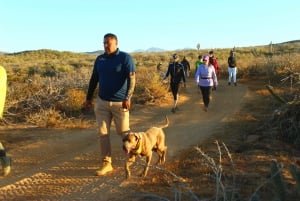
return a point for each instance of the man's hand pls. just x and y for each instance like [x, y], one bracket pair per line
[126, 104]
[87, 105]
[184, 85]
[214, 88]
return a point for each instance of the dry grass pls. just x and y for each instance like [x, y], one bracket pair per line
[55, 101]
[149, 87]
[238, 167]
[47, 80]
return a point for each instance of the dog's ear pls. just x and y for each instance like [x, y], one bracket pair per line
[125, 138]
[137, 136]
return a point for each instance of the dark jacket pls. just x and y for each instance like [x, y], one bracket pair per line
[231, 62]
[186, 65]
[176, 71]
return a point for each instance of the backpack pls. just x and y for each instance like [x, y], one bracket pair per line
[213, 61]
[231, 61]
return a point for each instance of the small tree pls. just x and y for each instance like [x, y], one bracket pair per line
[198, 47]
[271, 49]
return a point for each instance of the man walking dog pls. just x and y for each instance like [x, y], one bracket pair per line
[114, 71]
[144, 144]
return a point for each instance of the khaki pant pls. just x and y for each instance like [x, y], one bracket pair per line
[105, 112]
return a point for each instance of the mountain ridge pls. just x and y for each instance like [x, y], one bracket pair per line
[151, 49]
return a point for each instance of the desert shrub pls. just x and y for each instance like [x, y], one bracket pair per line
[64, 68]
[29, 98]
[52, 118]
[285, 122]
[72, 104]
[149, 87]
[289, 125]
[49, 71]
[46, 118]
[33, 70]
[47, 79]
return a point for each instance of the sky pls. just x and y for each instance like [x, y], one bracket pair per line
[79, 25]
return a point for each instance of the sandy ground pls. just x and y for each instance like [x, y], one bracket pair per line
[60, 164]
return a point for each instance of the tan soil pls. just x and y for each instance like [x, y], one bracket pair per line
[53, 164]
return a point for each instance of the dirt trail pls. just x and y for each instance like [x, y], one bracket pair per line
[60, 164]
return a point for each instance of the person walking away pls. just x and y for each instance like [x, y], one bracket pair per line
[206, 80]
[114, 71]
[198, 62]
[232, 69]
[176, 72]
[5, 160]
[186, 66]
[214, 62]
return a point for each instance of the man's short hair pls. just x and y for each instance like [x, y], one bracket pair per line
[110, 35]
[175, 56]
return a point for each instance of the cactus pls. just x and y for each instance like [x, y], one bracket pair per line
[295, 174]
[278, 181]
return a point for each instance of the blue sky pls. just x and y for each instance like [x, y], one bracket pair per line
[79, 25]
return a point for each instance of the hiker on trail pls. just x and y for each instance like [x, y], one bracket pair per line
[206, 80]
[176, 72]
[213, 61]
[5, 160]
[198, 62]
[232, 69]
[186, 66]
[114, 73]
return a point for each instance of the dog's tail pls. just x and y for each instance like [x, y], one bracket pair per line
[167, 123]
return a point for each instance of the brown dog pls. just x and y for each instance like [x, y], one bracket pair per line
[144, 143]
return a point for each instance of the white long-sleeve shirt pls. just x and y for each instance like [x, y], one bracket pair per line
[206, 76]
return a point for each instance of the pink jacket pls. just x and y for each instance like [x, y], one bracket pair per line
[206, 76]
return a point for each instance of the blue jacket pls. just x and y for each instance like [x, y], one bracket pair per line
[112, 73]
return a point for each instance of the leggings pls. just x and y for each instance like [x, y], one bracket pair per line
[174, 89]
[206, 94]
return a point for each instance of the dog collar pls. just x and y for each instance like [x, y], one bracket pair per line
[139, 146]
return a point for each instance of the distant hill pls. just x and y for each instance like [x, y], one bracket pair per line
[156, 49]
[98, 52]
[293, 45]
[292, 41]
[151, 49]
[41, 51]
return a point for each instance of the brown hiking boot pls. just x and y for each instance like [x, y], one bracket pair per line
[6, 165]
[106, 168]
